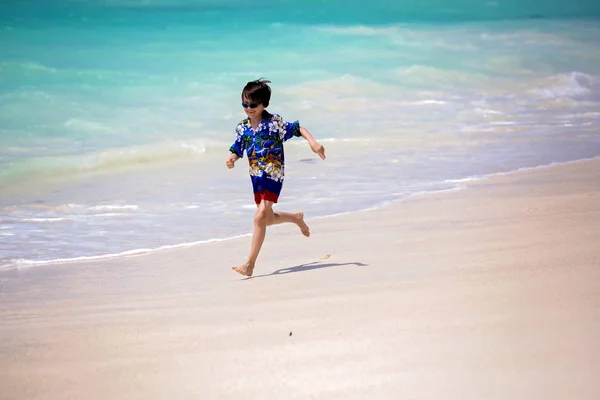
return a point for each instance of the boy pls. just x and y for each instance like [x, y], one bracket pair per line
[262, 135]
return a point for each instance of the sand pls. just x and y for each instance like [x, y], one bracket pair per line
[489, 292]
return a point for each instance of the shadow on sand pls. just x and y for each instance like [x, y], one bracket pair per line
[306, 267]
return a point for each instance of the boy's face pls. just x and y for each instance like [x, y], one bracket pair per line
[255, 112]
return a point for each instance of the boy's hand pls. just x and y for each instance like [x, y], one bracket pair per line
[318, 148]
[231, 161]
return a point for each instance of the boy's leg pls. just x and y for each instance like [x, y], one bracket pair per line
[264, 217]
[280, 217]
[263, 210]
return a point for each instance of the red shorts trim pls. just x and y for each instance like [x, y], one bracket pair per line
[265, 195]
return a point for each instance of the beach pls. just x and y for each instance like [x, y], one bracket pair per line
[491, 291]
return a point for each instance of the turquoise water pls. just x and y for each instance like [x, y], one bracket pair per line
[116, 117]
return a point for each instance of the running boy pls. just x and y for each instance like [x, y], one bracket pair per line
[262, 135]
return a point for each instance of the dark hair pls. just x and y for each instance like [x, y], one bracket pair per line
[258, 91]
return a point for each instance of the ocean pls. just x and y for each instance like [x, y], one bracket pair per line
[116, 116]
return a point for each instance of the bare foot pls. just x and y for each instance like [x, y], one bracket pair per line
[245, 269]
[302, 225]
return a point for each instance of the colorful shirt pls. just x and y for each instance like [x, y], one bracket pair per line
[264, 147]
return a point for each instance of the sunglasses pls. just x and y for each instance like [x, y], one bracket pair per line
[251, 105]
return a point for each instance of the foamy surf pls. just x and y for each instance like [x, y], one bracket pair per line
[21, 262]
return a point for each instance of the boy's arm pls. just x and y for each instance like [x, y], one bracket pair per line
[314, 145]
[231, 160]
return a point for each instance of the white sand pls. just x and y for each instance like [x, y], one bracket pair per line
[492, 292]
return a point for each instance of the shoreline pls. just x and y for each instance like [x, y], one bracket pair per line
[460, 184]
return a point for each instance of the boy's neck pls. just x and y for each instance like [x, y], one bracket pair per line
[256, 120]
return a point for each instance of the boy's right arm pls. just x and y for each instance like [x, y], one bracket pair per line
[231, 160]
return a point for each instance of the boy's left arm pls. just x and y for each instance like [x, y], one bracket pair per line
[314, 145]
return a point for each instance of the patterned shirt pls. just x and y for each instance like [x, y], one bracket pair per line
[264, 147]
